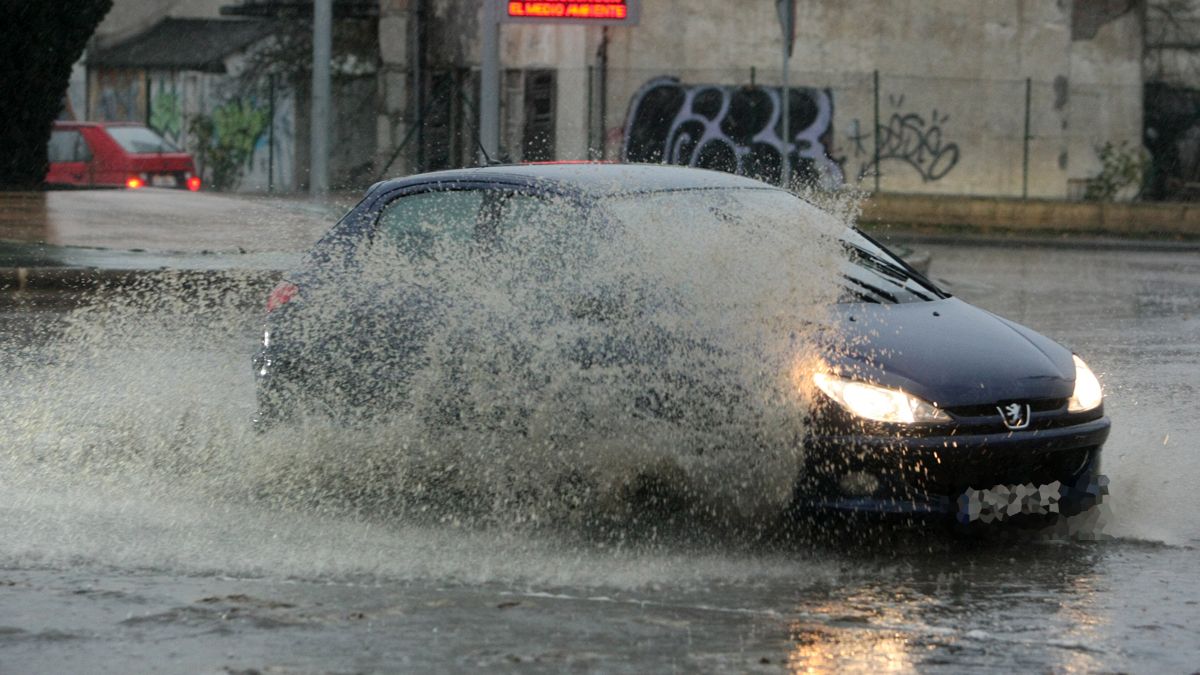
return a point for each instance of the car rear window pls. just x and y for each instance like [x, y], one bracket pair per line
[414, 223]
[67, 146]
[140, 140]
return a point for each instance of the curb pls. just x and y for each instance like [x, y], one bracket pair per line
[912, 238]
[84, 279]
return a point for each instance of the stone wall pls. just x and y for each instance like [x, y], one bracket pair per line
[393, 105]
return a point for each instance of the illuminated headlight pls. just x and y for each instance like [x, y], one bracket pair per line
[876, 403]
[1087, 393]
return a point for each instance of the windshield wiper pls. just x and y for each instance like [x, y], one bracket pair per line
[872, 288]
[891, 271]
[884, 265]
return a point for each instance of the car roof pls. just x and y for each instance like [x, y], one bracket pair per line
[593, 178]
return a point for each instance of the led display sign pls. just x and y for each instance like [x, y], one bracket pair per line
[594, 13]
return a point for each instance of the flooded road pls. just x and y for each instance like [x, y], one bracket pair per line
[143, 563]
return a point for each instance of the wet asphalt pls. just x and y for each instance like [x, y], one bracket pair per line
[95, 579]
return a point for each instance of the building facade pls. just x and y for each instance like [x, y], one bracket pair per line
[229, 81]
[1006, 97]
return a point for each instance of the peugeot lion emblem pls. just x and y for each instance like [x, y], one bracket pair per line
[1015, 415]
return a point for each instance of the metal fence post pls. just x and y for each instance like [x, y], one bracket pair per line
[318, 179]
[1025, 153]
[489, 84]
[875, 132]
[271, 133]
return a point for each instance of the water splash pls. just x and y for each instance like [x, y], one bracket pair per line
[635, 374]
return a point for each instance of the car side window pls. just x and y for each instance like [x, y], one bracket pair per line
[505, 211]
[413, 224]
[550, 232]
[83, 151]
[521, 209]
[67, 146]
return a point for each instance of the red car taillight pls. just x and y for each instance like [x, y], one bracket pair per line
[193, 183]
[134, 183]
[281, 295]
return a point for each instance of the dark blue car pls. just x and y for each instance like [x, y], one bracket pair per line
[917, 404]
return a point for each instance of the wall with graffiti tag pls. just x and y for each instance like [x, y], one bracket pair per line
[894, 133]
[994, 98]
[732, 128]
[257, 124]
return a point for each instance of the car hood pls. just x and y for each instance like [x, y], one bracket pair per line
[949, 352]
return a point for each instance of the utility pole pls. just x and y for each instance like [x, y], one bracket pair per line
[489, 83]
[787, 23]
[318, 178]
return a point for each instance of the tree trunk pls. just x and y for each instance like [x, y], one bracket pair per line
[39, 42]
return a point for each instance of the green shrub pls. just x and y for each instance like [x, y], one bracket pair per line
[1122, 166]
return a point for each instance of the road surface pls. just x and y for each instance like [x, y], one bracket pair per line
[138, 561]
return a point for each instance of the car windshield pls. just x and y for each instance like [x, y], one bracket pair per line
[140, 140]
[417, 225]
[869, 273]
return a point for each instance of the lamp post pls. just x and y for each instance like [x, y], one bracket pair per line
[489, 82]
[318, 179]
[787, 24]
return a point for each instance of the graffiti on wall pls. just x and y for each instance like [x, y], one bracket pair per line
[165, 115]
[118, 95]
[905, 137]
[166, 108]
[732, 128]
[272, 163]
[226, 140]
[226, 124]
[241, 123]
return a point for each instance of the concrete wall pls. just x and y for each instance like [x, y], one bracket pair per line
[1034, 216]
[169, 101]
[952, 90]
[951, 94]
[393, 109]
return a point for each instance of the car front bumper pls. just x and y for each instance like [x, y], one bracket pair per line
[926, 476]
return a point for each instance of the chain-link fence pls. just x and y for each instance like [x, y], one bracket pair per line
[872, 130]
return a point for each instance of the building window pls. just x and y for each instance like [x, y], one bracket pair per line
[537, 144]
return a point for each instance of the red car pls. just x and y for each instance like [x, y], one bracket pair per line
[116, 154]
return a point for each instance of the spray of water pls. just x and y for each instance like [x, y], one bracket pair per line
[589, 371]
[621, 365]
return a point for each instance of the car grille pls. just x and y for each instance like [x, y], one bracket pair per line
[983, 470]
[990, 409]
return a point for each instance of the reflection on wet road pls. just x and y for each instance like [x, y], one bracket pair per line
[95, 580]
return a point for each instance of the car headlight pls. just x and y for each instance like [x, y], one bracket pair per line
[876, 403]
[1087, 394]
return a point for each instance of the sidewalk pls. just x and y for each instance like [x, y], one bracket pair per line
[1036, 217]
[82, 239]
[898, 235]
